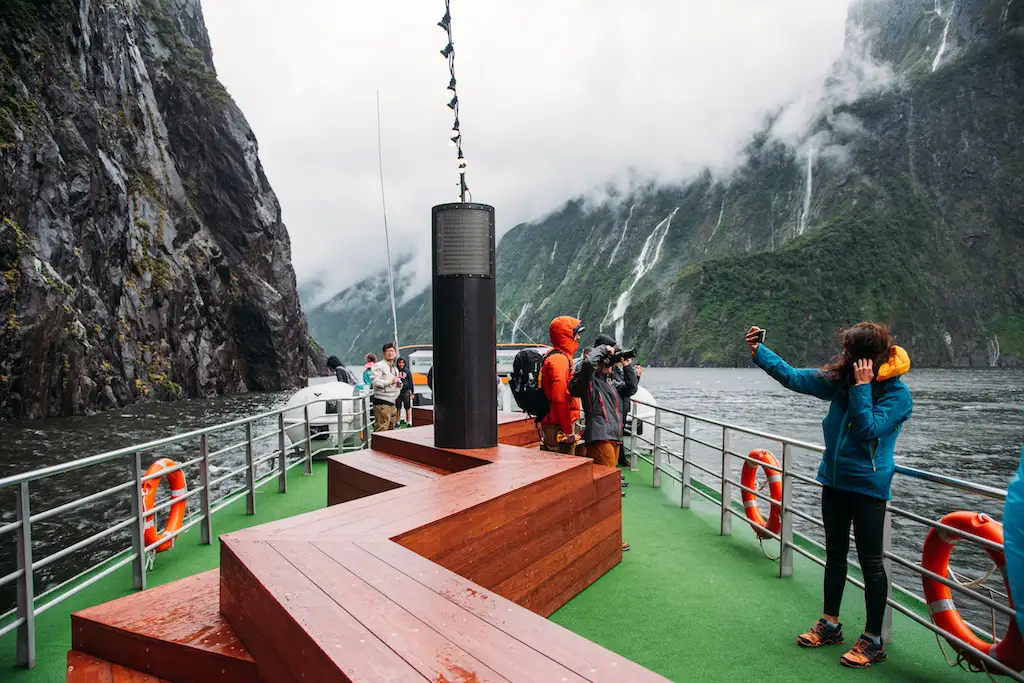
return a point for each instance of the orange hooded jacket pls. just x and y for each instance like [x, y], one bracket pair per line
[556, 373]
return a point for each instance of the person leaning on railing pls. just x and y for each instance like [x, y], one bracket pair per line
[867, 413]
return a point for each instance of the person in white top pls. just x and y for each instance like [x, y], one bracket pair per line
[386, 386]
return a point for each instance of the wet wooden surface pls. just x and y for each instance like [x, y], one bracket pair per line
[175, 631]
[83, 668]
[433, 565]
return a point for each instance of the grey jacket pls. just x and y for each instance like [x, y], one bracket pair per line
[603, 397]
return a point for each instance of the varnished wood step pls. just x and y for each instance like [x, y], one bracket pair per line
[174, 632]
[366, 473]
[83, 668]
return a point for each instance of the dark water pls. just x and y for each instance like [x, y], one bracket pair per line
[966, 423]
[31, 445]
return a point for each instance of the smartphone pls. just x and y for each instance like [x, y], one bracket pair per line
[760, 336]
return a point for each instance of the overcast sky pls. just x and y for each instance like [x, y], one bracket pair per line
[556, 98]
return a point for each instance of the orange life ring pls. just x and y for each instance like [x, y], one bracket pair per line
[177, 514]
[749, 479]
[938, 546]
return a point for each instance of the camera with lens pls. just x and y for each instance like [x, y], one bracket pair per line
[625, 354]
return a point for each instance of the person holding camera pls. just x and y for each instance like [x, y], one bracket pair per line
[602, 403]
[869, 404]
[618, 380]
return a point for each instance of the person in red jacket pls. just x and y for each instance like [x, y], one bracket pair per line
[564, 409]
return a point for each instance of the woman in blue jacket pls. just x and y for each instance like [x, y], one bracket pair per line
[867, 411]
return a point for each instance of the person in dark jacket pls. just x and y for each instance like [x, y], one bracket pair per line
[343, 374]
[869, 404]
[602, 404]
[617, 378]
[405, 397]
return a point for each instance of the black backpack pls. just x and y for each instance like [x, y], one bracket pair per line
[525, 382]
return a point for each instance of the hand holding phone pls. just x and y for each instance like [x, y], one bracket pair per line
[755, 336]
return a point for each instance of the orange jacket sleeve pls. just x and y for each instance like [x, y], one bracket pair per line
[556, 388]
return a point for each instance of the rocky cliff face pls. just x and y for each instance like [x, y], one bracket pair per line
[141, 246]
[903, 204]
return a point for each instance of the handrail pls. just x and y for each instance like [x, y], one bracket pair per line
[151, 445]
[726, 485]
[349, 424]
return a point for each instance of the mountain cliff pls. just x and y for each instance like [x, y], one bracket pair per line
[902, 201]
[141, 245]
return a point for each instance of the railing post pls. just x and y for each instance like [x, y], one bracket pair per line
[282, 460]
[26, 648]
[139, 529]
[726, 486]
[656, 455]
[341, 424]
[634, 459]
[250, 474]
[368, 416]
[206, 526]
[786, 550]
[308, 469]
[364, 407]
[684, 500]
[887, 565]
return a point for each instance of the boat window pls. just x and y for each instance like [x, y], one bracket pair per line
[332, 407]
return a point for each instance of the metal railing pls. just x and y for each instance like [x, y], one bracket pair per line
[352, 432]
[786, 537]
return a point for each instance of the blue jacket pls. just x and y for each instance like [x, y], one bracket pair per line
[1013, 541]
[860, 428]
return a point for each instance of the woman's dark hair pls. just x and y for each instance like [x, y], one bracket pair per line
[333, 362]
[864, 340]
[371, 358]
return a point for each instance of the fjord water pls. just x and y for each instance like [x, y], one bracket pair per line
[966, 423]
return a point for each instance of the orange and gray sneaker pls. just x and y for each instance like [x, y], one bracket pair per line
[823, 633]
[866, 652]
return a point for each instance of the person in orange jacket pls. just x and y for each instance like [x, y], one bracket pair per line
[564, 409]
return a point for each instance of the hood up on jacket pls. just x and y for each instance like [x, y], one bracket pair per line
[898, 364]
[562, 334]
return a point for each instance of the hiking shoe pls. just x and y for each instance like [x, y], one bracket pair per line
[864, 654]
[624, 483]
[823, 633]
[625, 546]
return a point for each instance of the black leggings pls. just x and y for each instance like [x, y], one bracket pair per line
[838, 510]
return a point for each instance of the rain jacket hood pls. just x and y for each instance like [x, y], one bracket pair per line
[898, 364]
[561, 333]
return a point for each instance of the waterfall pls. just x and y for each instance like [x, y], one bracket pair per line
[948, 18]
[622, 237]
[644, 263]
[1006, 14]
[807, 195]
[717, 226]
[553, 250]
[993, 351]
[519, 320]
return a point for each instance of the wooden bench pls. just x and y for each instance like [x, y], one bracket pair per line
[365, 473]
[174, 632]
[445, 574]
[85, 669]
